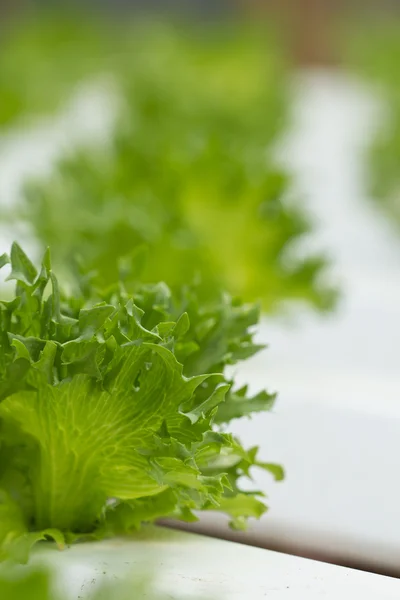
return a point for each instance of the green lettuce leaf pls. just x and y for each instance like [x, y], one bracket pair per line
[107, 419]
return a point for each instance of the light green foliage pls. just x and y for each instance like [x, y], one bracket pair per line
[111, 408]
[44, 54]
[187, 181]
[26, 586]
[373, 51]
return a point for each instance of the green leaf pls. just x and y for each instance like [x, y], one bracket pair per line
[182, 325]
[238, 405]
[240, 508]
[130, 515]
[19, 549]
[275, 470]
[55, 299]
[92, 319]
[14, 377]
[27, 347]
[12, 524]
[45, 364]
[4, 260]
[209, 404]
[21, 267]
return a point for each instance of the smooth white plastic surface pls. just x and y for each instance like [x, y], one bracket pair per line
[189, 566]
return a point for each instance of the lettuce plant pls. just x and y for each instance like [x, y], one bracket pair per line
[187, 178]
[114, 408]
[188, 173]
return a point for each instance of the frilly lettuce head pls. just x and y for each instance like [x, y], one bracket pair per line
[113, 408]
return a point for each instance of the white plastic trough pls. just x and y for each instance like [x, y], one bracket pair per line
[192, 566]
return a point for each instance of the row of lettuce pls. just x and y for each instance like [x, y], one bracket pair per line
[187, 180]
[116, 396]
[115, 387]
[47, 54]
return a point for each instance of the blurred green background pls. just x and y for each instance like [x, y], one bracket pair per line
[187, 186]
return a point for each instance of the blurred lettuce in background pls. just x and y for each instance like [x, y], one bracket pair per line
[372, 50]
[187, 182]
[43, 55]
